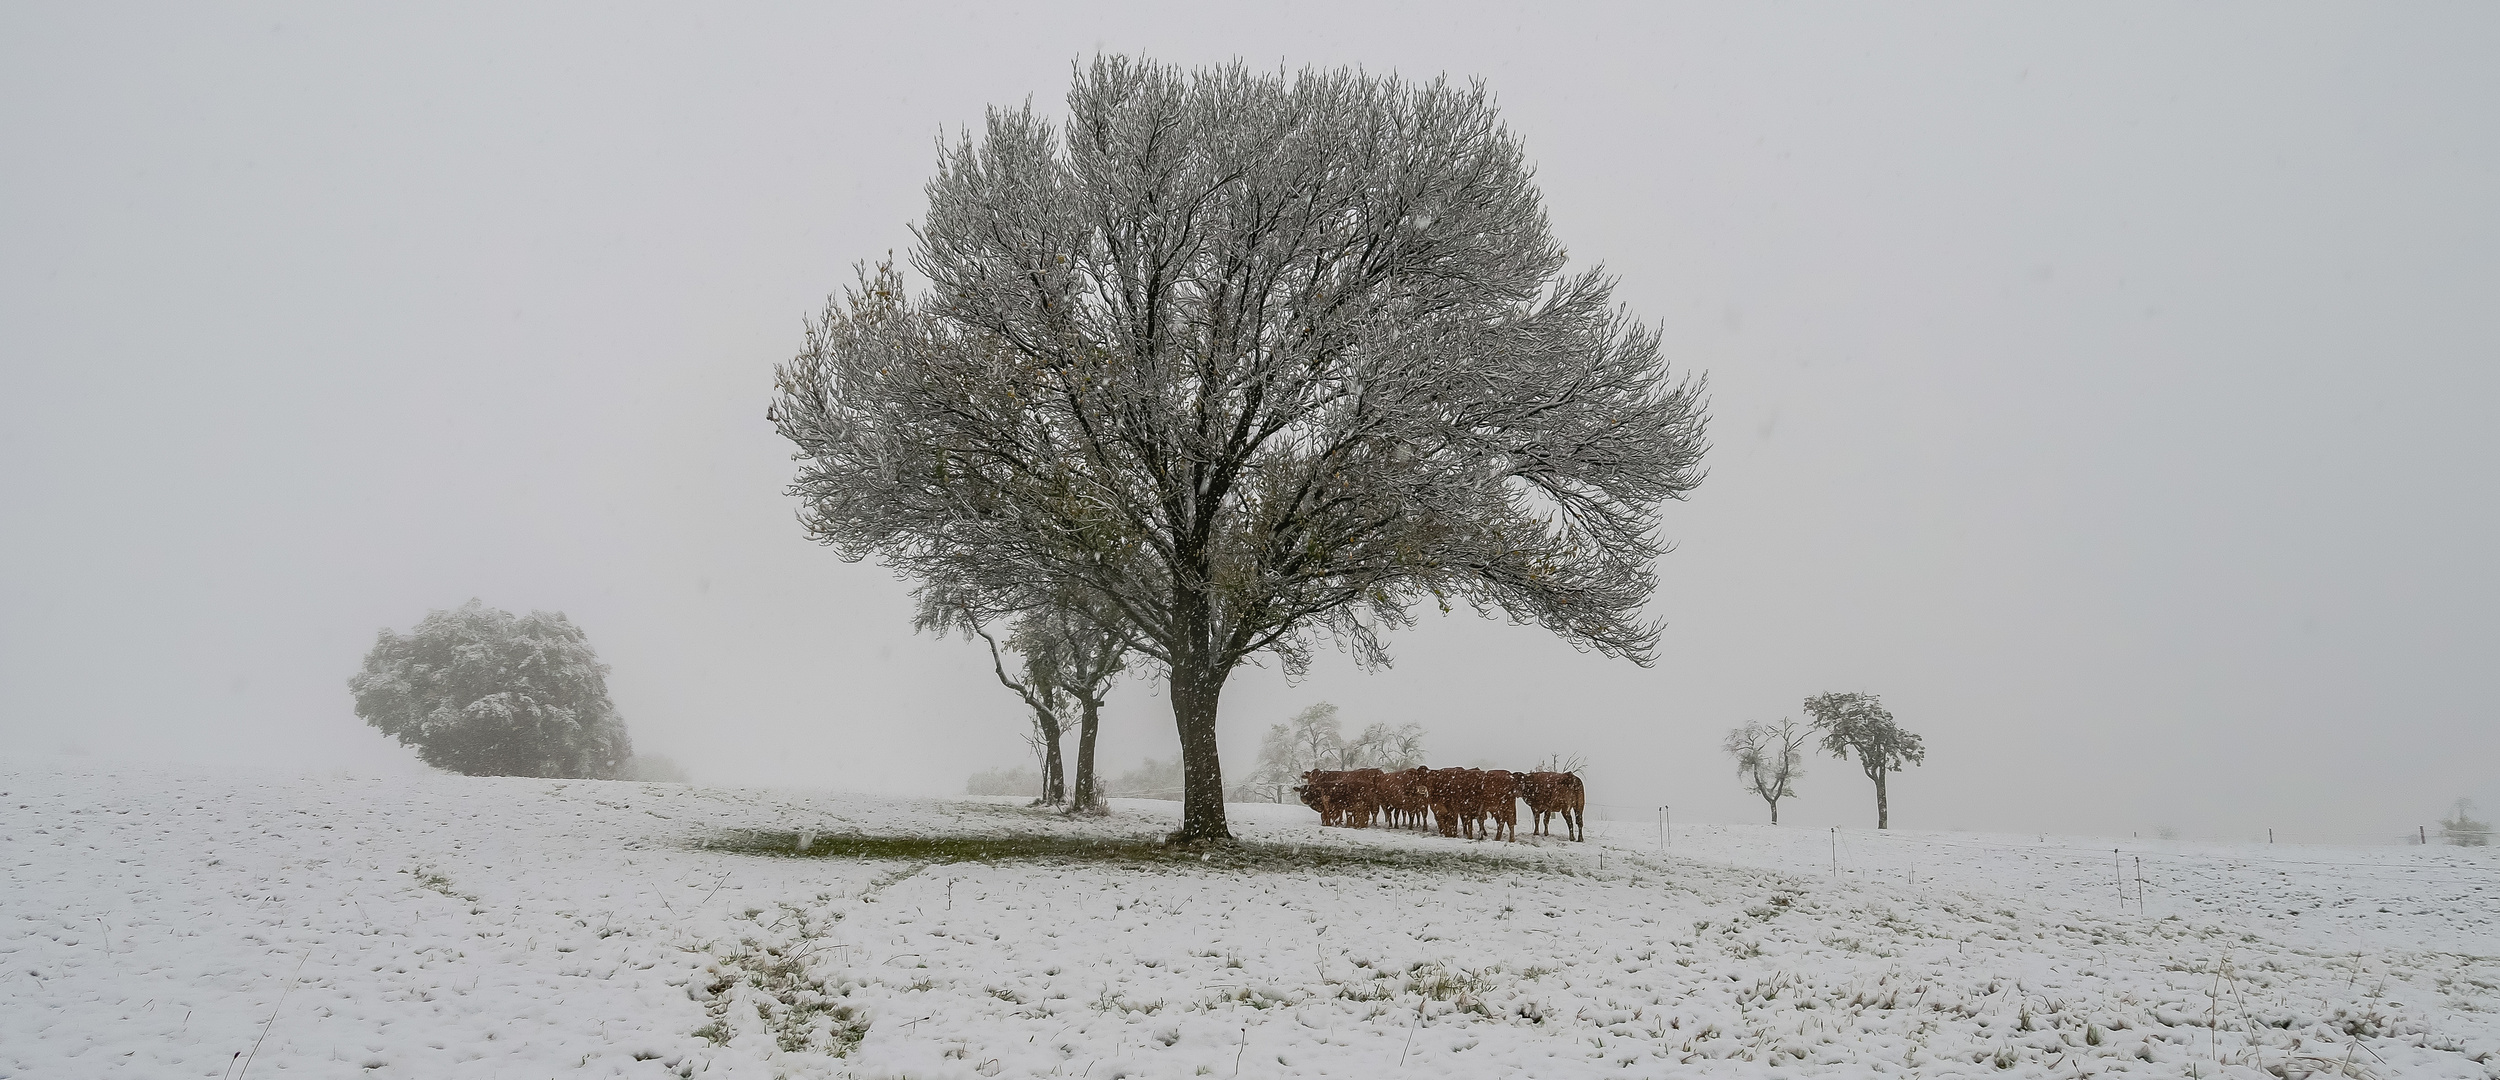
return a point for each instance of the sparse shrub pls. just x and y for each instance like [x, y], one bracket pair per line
[2462, 830]
[1021, 780]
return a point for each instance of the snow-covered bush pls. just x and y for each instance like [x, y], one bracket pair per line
[487, 693]
[1021, 780]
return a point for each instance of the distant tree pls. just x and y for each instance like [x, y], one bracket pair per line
[1317, 734]
[487, 693]
[1083, 660]
[1769, 759]
[654, 769]
[1314, 739]
[2462, 830]
[1069, 663]
[1048, 702]
[1383, 747]
[1021, 780]
[1152, 780]
[1255, 360]
[1860, 723]
[1275, 771]
[1311, 739]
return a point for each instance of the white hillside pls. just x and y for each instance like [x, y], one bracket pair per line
[186, 925]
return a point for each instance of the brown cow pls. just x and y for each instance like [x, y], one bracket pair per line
[1476, 806]
[1320, 791]
[1498, 795]
[1347, 799]
[1447, 791]
[1366, 791]
[1313, 793]
[1556, 793]
[1534, 788]
[1413, 790]
[1475, 796]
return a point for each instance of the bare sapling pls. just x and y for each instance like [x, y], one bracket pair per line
[1768, 760]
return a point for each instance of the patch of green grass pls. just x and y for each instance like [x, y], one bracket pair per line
[435, 880]
[1140, 851]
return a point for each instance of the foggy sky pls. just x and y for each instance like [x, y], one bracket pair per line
[2107, 387]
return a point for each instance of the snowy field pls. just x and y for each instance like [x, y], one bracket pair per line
[164, 925]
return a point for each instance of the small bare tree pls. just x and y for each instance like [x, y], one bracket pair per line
[944, 613]
[1860, 723]
[1249, 360]
[1383, 747]
[1275, 770]
[1311, 739]
[1083, 661]
[1069, 665]
[1040, 691]
[1769, 759]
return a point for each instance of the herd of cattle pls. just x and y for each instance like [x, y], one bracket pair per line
[1480, 804]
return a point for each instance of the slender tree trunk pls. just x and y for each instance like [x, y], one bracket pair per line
[1775, 812]
[1054, 774]
[1194, 694]
[1088, 795]
[1883, 809]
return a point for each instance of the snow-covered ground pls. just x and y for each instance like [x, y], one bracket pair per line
[167, 925]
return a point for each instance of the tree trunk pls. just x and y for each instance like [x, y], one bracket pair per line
[1194, 694]
[1054, 775]
[1883, 810]
[1775, 813]
[1087, 794]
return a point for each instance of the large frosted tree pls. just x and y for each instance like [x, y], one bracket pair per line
[489, 693]
[1249, 361]
[1860, 724]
